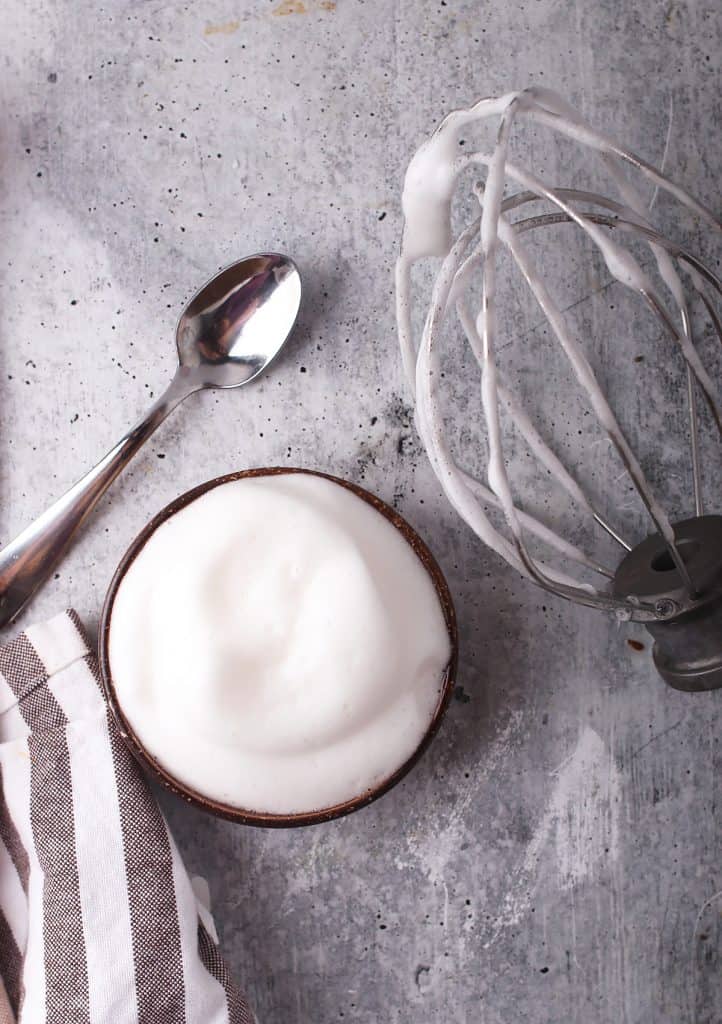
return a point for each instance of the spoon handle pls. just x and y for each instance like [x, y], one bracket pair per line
[27, 561]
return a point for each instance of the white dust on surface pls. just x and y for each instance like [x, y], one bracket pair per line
[581, 820]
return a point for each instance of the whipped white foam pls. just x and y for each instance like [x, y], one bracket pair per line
[278, 646]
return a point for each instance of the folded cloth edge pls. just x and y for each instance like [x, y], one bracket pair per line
[98, 918]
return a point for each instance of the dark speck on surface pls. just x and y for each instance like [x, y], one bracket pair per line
[421, 974]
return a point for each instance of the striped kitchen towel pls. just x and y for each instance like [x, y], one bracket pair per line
[99, 921]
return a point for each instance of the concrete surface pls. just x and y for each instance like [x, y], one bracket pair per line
[556, 855]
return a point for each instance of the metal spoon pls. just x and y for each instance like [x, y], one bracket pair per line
[228, 333]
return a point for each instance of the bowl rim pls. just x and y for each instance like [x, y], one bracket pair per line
[219, 808]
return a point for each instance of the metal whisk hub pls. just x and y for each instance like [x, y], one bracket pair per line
[688, 628]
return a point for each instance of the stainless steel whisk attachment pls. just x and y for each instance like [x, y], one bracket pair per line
[671, 580]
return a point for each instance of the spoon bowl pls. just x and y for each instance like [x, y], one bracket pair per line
[228, 333]
[238, 321]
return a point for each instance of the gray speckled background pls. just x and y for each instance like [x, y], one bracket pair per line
[555, 857]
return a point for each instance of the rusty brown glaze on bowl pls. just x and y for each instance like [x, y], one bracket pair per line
[223, 810]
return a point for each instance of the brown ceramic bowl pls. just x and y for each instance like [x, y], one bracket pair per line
[226, 810]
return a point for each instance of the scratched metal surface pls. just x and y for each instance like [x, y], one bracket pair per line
[556, 856]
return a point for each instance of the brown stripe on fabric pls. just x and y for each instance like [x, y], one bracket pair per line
[7, 1014]
[20, 663]
[75, 619]
[25, 674]
[92, 662]
[11, 838]
[11, 964]
[90, 659]
[53, 824]
[238, 1009]
[157, 954]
